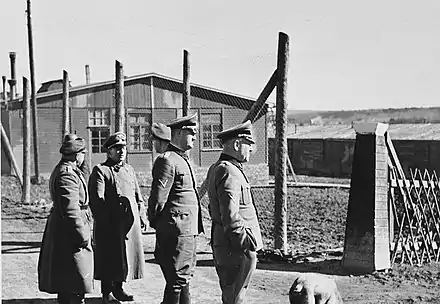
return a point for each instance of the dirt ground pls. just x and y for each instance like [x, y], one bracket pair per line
[315, 238]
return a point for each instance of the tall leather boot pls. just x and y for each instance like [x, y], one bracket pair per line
[185, 295]
[78, 298]
[106, 289]
[63, 298]
[172, 297]
[120, 294]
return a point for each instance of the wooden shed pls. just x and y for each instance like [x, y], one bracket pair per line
[148, 98]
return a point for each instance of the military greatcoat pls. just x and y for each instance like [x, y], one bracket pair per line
[66, 259]
[235, 224]
[117, 206]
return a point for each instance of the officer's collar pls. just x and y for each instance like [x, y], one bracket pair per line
[176, 149]
[70, 163]
[231, 159]
[110, 162]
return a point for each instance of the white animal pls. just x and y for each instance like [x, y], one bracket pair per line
[311, 288]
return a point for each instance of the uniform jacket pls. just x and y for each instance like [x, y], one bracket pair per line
[117, 206]
[65, 263]
[174, 204]
[234, 217]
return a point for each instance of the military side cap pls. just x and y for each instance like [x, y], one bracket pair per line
[161, 131]
[118, 138]
[72, 144]
[243, 130]
[185, 122]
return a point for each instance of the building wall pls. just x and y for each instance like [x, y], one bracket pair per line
[138, 96]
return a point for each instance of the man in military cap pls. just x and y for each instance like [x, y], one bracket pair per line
[65, 264]
[174, 211]
[117, 206]
[235, 234]
[161, 136]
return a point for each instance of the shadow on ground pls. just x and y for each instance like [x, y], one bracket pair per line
[20, 247]
[95, 300]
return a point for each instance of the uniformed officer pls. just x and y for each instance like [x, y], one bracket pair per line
[65, 264]
[235, 234]
[174, 211]
[161, 136]
[117, 207]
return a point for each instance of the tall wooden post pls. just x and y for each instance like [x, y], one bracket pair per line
[258, 105]
[66, 105]
[33, 95]
[26, 194]
[10, 155]
[281, 145]
[186, 96]
[119, 98]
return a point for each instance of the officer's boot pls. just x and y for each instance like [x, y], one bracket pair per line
[185, 296]
[106, 289]
[63, 298]
[120, 294]
[78, 298]
[173, 298]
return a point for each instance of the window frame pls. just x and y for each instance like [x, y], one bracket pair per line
[213, 135]
[148, 122]
[98, 127]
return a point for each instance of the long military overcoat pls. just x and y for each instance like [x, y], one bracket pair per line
[117, 206]
[65, 263]
[235, 224]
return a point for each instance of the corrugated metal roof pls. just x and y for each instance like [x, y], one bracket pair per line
[396, 131]
[216, 95]
[131, 78]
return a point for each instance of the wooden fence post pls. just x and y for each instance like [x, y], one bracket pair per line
[281, 145]
[33, 96]
[26, 194]
[186, 96]
[66, 105]
[119, 98]
[258, 105]
[10, 155]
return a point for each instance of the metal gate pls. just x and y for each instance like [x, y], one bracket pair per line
[415, 215]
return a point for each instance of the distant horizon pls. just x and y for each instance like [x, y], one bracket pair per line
[343, 54]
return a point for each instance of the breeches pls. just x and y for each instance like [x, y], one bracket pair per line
[234, 270]
[176, 256]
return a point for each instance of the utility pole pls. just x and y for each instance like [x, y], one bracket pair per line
[33, 94]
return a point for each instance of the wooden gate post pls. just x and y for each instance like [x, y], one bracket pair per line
[366, 247]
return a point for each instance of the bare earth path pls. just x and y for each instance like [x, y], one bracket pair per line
[20, 246]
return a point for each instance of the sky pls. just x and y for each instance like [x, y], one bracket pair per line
[344, 54]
